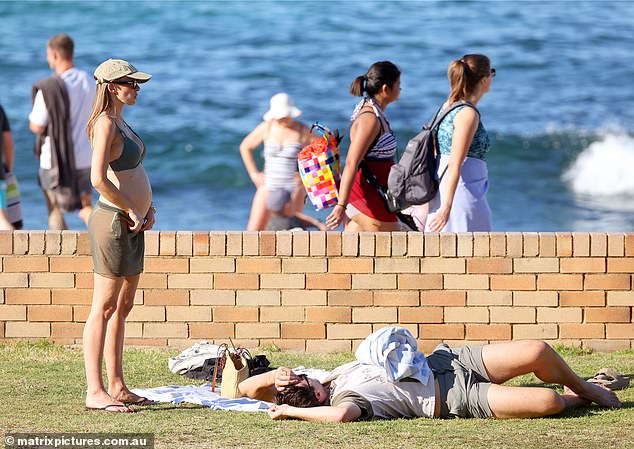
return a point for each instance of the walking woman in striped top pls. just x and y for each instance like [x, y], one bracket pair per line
[372, 141]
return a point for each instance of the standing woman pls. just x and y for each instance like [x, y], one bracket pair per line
[360, 207]
[461, 204]
[115, 228]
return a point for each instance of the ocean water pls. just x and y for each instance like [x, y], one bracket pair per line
[559, 111]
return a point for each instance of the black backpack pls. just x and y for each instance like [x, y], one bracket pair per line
[413, 180]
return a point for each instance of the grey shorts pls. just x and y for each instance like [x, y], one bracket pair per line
[83, 180]
[463, 380]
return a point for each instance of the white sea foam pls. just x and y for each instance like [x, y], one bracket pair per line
[604, 168]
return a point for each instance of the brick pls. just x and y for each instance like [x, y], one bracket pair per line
[393, 298]
[235, 314]
[50, 313]
[442, 265]
[192, 281]
[188, 313]
[620, 265]
[466, 315]
[456, 331]
[465, 244]
[570, 299]
[212, 265]
[287, 281]
[200, 243]
[69, 243]
[560, 282]
[536, 265]
[374, 314]
[6, 242]
[538, 298]
[12, 312]
[583, 265]
[420, 314]
[152, 243]
[267, 243]
[616, 245]
[489, 298]
[513, 282]
[608, 315]
[146, 342]
[383, 244]
[16, 280]
[23, 329]
[606, 345]
[212, 297]
[165, 330]
[564, 244]
[448, 244]
[236, 281]
[374, 281]
[350, 244]
[288, 344]
[366, 244]
[80, 264]
[304, 297]
[220, 243]
[443, 298]
[317, 243]
[512, 314]
[36, 242]
[514, 244]
[481, 244]
[70, 330]
[28, 296]
[558, 315]
[351, 298]
[598, 244]
[211, 330]
[348, 331]
[303, 331]
[167, 243]
[147, 313]
[488, 332]
[51, 280]
[616, 298]
[497, 245]
[607, 282]
[352, 265]
[415, 244]
[20, 242]
[581, 244]
[53, 242]
[489, 265]
[80, 313]
[300, 244]
[333, 244]
[466, 281]
[257, 330]
[535, 331]
[25, 264]
[250, 243]
[432, 244]
[396, 265]
[258, 298]
[620, 331]
[328, 315]
[629, 244]
[284, 243]
[148, 280]
[568, 330]
[165, 265]
[166, 297]
[399, 243]
[547, 244]
[420, 282]
[530, 244]
[279, 314]
[258, 265]
[428, 346]
[327, 346]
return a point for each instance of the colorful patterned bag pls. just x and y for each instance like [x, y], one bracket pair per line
[319, 167]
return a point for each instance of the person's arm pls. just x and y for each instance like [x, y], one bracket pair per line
[248, 146]
[8, 151]
[465, 126]
[104, 133]
[265, 385]
[344, 412]
[38, 118]
[309, 221]
[362, 133]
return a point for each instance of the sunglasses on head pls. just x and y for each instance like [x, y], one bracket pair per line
[132, 83]
[492, 73]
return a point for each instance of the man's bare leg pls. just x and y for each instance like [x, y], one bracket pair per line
[56, 220]
[86, 208]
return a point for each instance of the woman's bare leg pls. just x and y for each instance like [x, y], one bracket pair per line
[104, 303]
[362, 223]
[259, 217]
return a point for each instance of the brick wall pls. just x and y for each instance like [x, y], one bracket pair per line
[326, 291]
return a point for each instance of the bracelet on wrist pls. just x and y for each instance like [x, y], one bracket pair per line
[341, 205]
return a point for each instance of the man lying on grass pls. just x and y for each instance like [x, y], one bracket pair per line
[464, 383]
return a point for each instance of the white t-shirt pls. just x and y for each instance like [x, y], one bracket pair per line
[81, 93]
[368, 387]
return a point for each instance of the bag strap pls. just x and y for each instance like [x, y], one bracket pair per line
[442, 113]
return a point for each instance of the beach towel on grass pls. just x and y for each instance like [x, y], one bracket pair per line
[202, 394]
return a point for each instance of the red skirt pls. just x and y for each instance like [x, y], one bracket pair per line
[365, 198]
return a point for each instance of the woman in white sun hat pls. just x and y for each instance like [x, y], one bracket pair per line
[283, 138]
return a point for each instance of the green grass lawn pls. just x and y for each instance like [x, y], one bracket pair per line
[42, 390]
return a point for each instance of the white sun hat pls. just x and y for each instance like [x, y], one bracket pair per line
[282, 106]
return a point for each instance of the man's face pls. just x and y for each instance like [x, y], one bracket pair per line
[318, 389]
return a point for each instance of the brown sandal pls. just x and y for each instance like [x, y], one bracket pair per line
[610, 379]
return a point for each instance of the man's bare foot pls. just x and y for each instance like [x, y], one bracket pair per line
[130, 398]
[103, 401]
[598, 394]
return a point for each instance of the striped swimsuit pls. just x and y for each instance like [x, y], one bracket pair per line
[280, 165]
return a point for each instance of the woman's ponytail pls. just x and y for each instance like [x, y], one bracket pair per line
[358, 86]
[464, 75]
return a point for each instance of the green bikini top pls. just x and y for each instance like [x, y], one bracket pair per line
[132, 153]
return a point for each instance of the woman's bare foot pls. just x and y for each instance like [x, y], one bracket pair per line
[128, 397]
[103, 401]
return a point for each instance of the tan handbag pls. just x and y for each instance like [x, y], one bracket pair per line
[235, 369]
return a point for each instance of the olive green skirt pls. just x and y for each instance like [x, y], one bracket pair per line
[115, 250]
